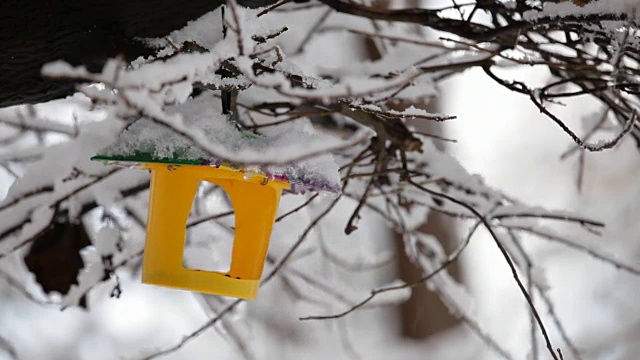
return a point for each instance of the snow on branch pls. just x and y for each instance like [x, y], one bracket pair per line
[249, 73]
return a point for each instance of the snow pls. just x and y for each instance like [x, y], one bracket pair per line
[34, 190]
[409, 113]
[465, 186]
[568, 8]
[31, 119]
[206, 31]
[40, 218]
[106, 241]
[91, 275]
[179, 71]
[201, 117]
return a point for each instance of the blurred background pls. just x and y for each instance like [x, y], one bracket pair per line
[501, 137]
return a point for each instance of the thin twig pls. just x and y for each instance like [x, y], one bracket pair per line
[312, 30]
[528, 265]
[599, 146]
[297, 208]
[450, 260]
[199, 221]
[506, 256]
[211, 322]
[234, 12]
[272, 7]
[579, 247]
[297, 244]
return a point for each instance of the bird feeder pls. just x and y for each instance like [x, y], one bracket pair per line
[254, 193]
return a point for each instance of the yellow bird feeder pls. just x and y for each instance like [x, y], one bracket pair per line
[254, 192]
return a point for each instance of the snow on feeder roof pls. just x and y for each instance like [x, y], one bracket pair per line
[146, 141]
[244, 169]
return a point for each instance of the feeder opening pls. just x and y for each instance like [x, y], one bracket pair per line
[210, 230]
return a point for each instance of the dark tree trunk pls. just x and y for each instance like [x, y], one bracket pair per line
[81, 32]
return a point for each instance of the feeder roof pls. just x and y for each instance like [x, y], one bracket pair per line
[148, 141]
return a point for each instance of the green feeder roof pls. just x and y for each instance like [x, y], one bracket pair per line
[147, 141]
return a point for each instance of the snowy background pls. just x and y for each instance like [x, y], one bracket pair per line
[500, 136]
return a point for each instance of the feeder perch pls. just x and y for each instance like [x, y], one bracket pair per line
[175, 176]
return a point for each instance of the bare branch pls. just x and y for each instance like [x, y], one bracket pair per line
[506, 256]
[207, 325]
[579, 247]
[297, 244]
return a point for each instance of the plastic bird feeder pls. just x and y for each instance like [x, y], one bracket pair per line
[172, 193]
[173, 188]
[254, 196]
